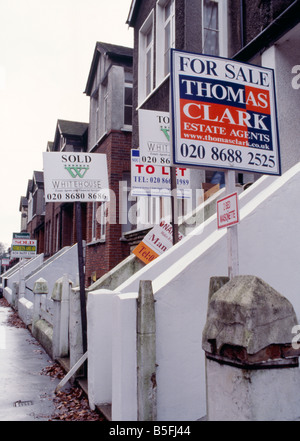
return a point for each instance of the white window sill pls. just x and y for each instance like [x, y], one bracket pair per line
[95, 242]
[153, 92]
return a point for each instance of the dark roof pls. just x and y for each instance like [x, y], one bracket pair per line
[135, 4]
[72, 128]
[23, 202]
[38, 176]
[50, 146]
[29, 188]
[114, 52]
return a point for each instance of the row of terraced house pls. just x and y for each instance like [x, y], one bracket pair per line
[192, 352]
[120, 82]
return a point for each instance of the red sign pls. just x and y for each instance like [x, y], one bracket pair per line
[227, 211]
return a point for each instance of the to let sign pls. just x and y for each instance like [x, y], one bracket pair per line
[223, 114]
[152, 180]
[228, 211]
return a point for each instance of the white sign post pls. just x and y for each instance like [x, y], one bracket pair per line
[228, 217]
[155, 147]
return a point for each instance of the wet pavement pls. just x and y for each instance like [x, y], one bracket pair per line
[26, 394]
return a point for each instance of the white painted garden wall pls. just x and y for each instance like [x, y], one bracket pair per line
[12, 275]
[269, 247]
[63, 262]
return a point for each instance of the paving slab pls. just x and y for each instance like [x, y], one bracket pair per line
[26, 394]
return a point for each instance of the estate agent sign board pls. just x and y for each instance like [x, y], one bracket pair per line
[23, 248]
[156, 242]
[154, 136]
[228, 211]
[21, 235]
[223, 114]
[75, 177]
[152, 180]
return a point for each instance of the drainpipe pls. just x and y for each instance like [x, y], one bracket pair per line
[242, 29]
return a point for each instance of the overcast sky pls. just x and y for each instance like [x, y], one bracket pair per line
[46, 50]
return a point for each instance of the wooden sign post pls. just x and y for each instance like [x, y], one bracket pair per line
[81, 275]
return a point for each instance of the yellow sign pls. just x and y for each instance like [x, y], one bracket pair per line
[144, 253]
[156, 242]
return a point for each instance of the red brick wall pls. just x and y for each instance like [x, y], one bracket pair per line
[103, 256]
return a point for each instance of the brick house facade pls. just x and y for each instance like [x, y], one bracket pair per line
[36, 209]
[237, 29]
[60, 230]
[105, 250]
[109, 87]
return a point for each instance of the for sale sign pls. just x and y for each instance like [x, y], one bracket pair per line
[227, 211]
[223, 114]
[75, 177]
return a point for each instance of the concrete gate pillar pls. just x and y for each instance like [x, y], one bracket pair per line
[252, 369]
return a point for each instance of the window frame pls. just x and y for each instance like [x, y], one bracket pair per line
[127, 85]
[105, 103]
[161, 24]
[148, 211]
[98, 222]
[144, 49]
[222, 27]
[94, 222]
[57, 232]
[102, 207]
